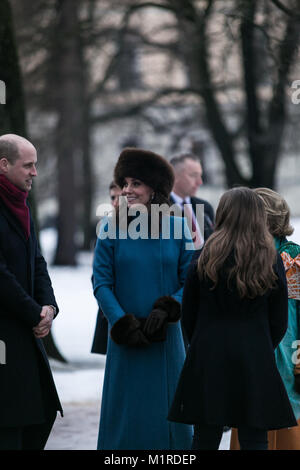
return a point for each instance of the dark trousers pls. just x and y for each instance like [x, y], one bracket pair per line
[209, 438]
[32, 437]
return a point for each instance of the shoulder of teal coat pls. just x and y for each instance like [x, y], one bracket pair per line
[285, 246]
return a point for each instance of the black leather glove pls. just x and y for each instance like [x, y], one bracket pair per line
[155, 321]
[297, 383]
[137, 339]
[165, 310]
[170, 306]
[127, 331]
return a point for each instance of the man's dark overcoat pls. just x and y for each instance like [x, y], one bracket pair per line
[209, 215]
[27, 391]
[230, 375]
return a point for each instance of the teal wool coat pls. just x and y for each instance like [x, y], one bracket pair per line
[139, 383]
[285, 351]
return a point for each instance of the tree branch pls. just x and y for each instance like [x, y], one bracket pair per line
[287, 53]
[171, 47]
[218, 128]
[285, 9]
[138, 6]
[127, 111]
[250, 78]
[120, 41]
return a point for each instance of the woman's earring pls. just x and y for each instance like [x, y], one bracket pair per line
[152, 197]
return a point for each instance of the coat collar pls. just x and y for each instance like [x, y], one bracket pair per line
[179, 200]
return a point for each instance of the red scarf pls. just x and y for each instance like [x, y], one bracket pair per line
[15, 199]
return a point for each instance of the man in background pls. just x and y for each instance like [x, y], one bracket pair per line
[188, 178]
[28, 397]
[114, 193]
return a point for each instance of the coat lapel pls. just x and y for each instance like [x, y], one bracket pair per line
[29, 244]
[31, 253]
[13, 222]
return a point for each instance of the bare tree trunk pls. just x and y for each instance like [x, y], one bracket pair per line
[264, 141]
[195, 39]
[87, 181]
[68, 132]
[12, 114]
[277, 115]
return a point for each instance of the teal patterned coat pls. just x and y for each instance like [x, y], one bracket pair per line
[139, 383]
[285, 352]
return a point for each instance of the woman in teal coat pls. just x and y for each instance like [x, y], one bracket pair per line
[138, 283]
[278, 216]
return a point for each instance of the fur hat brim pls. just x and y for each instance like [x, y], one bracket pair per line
[148, 167]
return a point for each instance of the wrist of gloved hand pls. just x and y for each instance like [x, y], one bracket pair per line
[170, 306]
[127, 331]
[297, 383]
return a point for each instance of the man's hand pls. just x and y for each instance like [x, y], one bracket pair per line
[44, 327]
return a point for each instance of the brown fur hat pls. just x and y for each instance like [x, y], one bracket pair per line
[148, 167]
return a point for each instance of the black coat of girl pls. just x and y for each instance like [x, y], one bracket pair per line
[230, 375]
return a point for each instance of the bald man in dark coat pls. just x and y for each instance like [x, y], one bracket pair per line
[28, 397]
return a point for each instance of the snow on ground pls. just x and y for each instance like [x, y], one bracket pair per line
[80, 381]
[295, 237]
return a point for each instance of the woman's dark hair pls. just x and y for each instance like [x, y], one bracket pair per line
[240, 229]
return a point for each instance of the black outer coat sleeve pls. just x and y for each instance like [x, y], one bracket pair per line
[278, 305]
[14, 299]
[43, 291]
[190, 301]
[209, 211]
